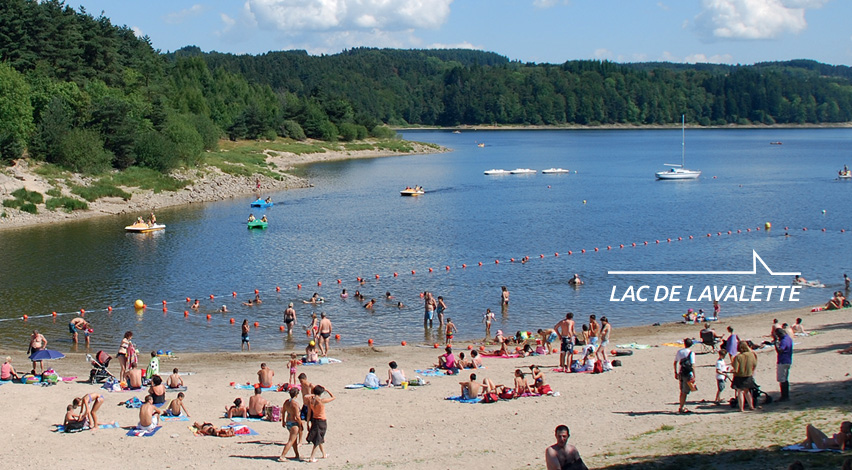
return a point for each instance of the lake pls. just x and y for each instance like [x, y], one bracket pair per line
[354, 223]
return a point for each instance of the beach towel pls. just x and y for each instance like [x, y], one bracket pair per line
[674, 345]
[633, 346]
[181, 417]
[141, 433]
[61, 428]
[357, 386]
[176, 389]
[431, 372]
[459, 399]
[273, 388]
[242, 429]
[510, 356]
[801, 448]
[240, 419]
[323, 361]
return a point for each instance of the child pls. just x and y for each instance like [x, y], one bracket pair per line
[487, 318]
[176, 405]
[244, 332]
[174, 380]
[294, 362]
[153, 366]
[722, 370]
[451, 329]
[72, 420]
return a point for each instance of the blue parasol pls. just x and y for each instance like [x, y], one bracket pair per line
[46, 354]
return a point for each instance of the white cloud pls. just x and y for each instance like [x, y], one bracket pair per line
[713, 59]
[228, 21]
[460, 45]
[183, 15]
[137, 31]
[549, 3]
[662, 6]
[754, 19]
[603, 54]
[297, 16]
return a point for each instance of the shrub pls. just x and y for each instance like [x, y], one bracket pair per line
[98, 190]
[293, 130]
[54, 192]
[29, 207]
[348, 131]
[34, 197]
[83, 151]
[383, 132]
[68, 203]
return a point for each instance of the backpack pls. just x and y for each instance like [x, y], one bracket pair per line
[490, 398]
[686, 366]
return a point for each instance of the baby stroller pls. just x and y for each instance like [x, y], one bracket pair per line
[99, 372]
[759, 397]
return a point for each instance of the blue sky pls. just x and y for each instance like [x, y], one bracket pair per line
[718, 31]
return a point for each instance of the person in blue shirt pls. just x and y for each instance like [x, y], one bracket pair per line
[371, 380]
[784, 351]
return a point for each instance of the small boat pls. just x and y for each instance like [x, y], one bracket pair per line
[256, 224]
[522, 171]
[481, 144]
[262, 203]
[678, 172]
[844, 174]
[456, 131]
[495, 171]
[142, 227]
[551, 171]
[412, 192]
[776, 143]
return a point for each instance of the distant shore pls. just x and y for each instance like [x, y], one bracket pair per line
[208, 184]
[578, 127]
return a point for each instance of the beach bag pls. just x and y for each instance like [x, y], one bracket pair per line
[490, 398]
[545, 389]
[685, 367]
[507, 394]
[597, 368]
[273, 413]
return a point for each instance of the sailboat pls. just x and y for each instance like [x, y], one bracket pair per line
[678, 172]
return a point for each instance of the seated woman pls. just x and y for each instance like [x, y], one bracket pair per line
[798, 328]
[447, 360]
[237, 409]
[836, 303]
[208, 429]
[499, 338]
[157, 390]
[814, 438]
[396, 376]
[263, 219]
[538, 378]
[311, 354]
[521, 385]
[7, 372]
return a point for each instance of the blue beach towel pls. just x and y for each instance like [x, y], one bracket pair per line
[182, 417]
[242, 429]
[323, 361]
[251, 387]
[240, 419]
[464, 400]
[141, 433]
[431, 372]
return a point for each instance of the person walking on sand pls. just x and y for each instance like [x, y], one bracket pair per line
[716, 309]
[293, 364]
[684, 364]
[317, 421]
[784, 351]
[292, 422]
[244, 335]
[565, 330]
[487, 318]
[562, 455]
[324, 333]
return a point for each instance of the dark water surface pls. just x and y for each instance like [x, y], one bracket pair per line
[353, 223]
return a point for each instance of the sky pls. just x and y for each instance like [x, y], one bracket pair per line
[541, 31]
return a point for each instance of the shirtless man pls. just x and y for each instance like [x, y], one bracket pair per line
[78, 323]
[264, 376]
[471, 388]
[606, 329]
[576, 281]
[176, 405]
[37, 343]
[548, 336]
[293, 423]
[174, 380]
[429, 304]
[594, 330]
[565, 331]
[324, 333]
[134, 378]
[147, 413]
[306, 390]
[290, 318]
[256, 405]
[562, 454]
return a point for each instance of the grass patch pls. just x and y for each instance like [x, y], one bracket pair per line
[51, 172]
[69, 204]
[54, 192]
[22, 194]
[98, 190]
[144, 178]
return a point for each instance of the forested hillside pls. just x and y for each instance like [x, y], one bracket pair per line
[78, 91]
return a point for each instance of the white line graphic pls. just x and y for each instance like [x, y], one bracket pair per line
[755, 259]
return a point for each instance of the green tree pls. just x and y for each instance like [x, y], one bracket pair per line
[16, 112]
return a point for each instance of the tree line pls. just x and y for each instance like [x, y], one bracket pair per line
[78, 91]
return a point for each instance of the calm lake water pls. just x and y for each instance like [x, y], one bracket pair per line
[353, 223]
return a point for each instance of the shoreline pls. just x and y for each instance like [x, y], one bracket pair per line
[210, 185]
[579, 127]
[634, 407]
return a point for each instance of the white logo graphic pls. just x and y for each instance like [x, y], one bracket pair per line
[755, 259]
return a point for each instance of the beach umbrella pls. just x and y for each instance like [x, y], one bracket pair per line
[45, 355]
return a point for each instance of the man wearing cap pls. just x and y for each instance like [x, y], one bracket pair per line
[290, 318]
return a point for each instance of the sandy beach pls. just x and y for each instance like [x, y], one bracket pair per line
[622, 417]
[208, 184]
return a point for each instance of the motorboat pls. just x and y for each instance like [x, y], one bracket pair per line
[844, 174]
[417, 191]
[481, 144]
[262, 203]
[143, 227]
[678, 171]
[551, 171]
[256, 224]
[495, 171]
[522, 171]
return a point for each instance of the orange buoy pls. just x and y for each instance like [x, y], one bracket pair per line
[823, 229]
[657, 241]
[421, 295]
[395, 274]
[82, 312]
[634, 243]
[413, 272]
[690, 237]
[164, 302]
[645, 242]
[583, 250]
[256, 292]
[54, 313]
[358, 279]
[280, 327]
[434, 345]
[319, 283]
[234, 294]
[805, 229]
[165, 309]
[208, 316]
[212, 296]
[541, 256]
[232, 321]
[464, 266]
[25, 317]
[277, 288]
[557, 254]
[185, 313]
[512, 259]
[679, 238]
[608, 247]
[668, 240]
[256, 324]
[430, 270]
[308, 333]
[377, 276]
[298, 286]
[748, 230]
[447, 268]
[370, 341]
[621, 245]
[708, 234]
[480, 263]
[187, 299]
[496, 261]
[403, 343]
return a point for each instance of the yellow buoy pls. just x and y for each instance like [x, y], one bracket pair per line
[767, 225]
[139, 304]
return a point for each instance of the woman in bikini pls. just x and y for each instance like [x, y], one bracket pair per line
[157, 390]
[122, 353]
[89, 405]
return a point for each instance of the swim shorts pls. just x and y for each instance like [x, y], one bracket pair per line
[428, 315]
[71, 328]
[567, 344]
[245, 338]
[551, 337]
[325, 335]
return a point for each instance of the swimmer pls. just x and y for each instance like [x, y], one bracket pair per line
[576, 281]
[369, 305]
[195, 305]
